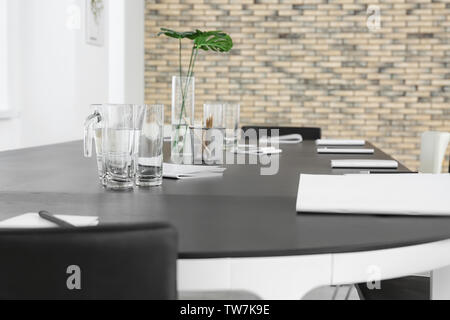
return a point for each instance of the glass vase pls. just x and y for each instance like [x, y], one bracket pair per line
[183, 104]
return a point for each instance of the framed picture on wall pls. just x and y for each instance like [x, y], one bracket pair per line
[95, 22]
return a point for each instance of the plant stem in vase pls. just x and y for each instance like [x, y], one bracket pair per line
[183, 103]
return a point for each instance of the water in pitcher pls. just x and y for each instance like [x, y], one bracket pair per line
[99, 152]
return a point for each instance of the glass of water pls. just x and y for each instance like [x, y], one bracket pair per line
[232, 113]
[150, 158]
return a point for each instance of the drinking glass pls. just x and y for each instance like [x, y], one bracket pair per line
[150, 158]
[213, 116]
[232, 113]
[213, 133]
[122, 125]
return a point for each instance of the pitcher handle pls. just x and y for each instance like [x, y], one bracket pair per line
[89, 125]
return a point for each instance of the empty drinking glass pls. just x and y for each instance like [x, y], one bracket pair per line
[150, 158]
[231, 112]
[121, 130]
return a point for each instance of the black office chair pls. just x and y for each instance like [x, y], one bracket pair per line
[113, 263]
[306, 133]
[409, 288]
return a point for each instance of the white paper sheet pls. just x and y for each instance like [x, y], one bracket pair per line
[364, 164]
[175, 171]
[390, 194]
[345, 151]
[331, 142]
[34, 221]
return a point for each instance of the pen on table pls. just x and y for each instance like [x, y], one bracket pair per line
[59, 222]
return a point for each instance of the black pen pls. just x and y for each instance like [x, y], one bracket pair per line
[59, 222]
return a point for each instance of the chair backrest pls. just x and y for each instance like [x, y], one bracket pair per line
[434, 146]
[306, 133]
[112, 263]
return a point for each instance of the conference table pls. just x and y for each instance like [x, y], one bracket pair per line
[240, 231]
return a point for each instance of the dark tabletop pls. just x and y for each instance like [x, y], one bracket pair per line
[242, 214]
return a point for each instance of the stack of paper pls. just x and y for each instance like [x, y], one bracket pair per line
[175, 171]
[324, 142]
[345, 151]
[364, 164]
[287, 139]
[405, 194]
[34, 221]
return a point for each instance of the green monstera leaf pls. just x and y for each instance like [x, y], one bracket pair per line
[217, 41]
[178, 35]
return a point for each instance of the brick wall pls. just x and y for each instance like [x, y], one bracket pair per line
[315, 63]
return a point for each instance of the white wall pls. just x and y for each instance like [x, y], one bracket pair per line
[54, 75]
[126, 59]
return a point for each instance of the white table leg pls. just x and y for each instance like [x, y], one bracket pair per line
[440, 284]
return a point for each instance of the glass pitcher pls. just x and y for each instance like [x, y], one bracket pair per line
[120, 131]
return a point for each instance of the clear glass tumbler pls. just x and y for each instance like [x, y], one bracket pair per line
[232, 113]
[150, 159]
[213, 133]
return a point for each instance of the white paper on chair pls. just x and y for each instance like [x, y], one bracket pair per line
[181, 172]
[364, 164]
[34, 221]
[323, 142]
[286, 139]
[390, 194]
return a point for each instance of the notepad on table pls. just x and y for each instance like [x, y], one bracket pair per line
[324, 142]
[175, 171]
[286, 139]
[345, 151]
[405, 194]
[364, 164]
[34, 221]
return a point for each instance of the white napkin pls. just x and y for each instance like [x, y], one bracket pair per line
[361, 163]
[257, 151]
[398, 194]
[324, 142]
[345, 151]
[34, 221]
[286, 139]
[181, 172]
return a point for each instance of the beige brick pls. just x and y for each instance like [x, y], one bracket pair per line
[315, 65]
